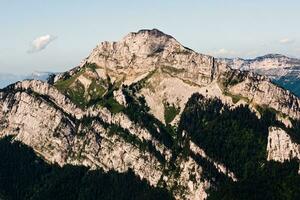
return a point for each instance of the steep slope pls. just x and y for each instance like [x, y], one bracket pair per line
[142, 52]
[281, 69]
[26, 176]
[238, 138]
[61, 132]
[168, 73]
[259, 91]
[127, 107]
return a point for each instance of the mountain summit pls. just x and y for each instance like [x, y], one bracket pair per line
[182, 121]
[146, 50]
[143, 43]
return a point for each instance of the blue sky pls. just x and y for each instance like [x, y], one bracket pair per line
[72, 28]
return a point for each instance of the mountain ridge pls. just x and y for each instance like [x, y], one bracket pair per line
[281, 69]
[128, 106]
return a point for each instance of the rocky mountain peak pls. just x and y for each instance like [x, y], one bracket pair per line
[148, 42]
[141, 52]
[144, 43]
[148, 33]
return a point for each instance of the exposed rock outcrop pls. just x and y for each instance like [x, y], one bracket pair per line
[141, 52]
[259, 90]
[33, 112]
[280, 146]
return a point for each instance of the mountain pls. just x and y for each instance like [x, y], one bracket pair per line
[7, 79]
[184, 122]
[281, 69]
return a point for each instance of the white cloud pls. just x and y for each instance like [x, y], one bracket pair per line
[40, 43]
[286, 41]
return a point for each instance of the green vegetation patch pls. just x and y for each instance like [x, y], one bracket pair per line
[112, 105]
[235, 97]
[172, 70]
[91, 66]
[77, 94]
[170, 112]
[107, 100]
[96, 89]
[73, 88]
[64, 84]
[98, 92]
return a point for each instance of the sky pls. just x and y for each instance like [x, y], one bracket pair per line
[55, 35]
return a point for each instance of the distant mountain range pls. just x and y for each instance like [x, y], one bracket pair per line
[7, 79]
[283, 70]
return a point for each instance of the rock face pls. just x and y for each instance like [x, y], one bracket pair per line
[141, 52]
[259, 90]
[80, 116]
[280, 146]
[41, 117]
